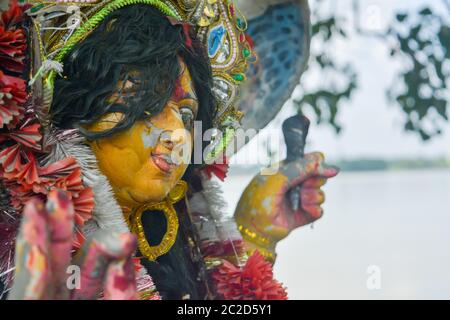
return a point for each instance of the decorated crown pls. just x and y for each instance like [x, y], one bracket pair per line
[60, 24]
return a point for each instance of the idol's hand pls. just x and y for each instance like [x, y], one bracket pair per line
[44, 265]
[274, 205]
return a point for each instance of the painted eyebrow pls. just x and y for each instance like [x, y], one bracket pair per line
[175, 109]
[178, 110]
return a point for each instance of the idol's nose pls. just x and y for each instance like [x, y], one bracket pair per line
[170, 139]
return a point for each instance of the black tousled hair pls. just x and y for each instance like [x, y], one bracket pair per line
[137, 44]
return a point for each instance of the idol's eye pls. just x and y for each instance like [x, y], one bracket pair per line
[188, 117]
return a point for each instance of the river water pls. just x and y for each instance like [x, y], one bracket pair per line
[384, 235]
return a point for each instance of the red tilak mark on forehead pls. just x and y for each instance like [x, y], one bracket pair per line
[179, 92]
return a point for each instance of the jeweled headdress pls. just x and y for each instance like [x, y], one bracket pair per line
[60, 24]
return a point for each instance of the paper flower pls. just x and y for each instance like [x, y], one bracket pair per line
[13, 41]
[218, 169]
[254, 281]
[25, 180]
[12, 98]
[12, 50]
[10, 159]
[66, 175]
[12, 16]
[27, 135]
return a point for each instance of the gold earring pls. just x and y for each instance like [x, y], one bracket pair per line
[135, 223]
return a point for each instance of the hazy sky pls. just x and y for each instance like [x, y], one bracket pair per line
[372, 126]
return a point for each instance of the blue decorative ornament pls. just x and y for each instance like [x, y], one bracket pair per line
[215, 38]
[281, 36]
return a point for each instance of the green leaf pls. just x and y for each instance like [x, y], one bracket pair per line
[402, 17]
[425, 12]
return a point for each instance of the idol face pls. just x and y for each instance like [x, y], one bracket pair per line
[146, 161]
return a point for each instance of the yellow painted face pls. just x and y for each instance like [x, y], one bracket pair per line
[146, 161]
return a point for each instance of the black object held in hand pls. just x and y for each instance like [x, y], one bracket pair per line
[295, 131]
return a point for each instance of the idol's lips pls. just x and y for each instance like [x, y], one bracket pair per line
[163, 162]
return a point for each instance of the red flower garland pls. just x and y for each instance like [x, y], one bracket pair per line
[220, 170]
[12, 39]
[12, 48]
[13, 16]
[27, 180]
[20, 136]
[12, 98]
[254, 281]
